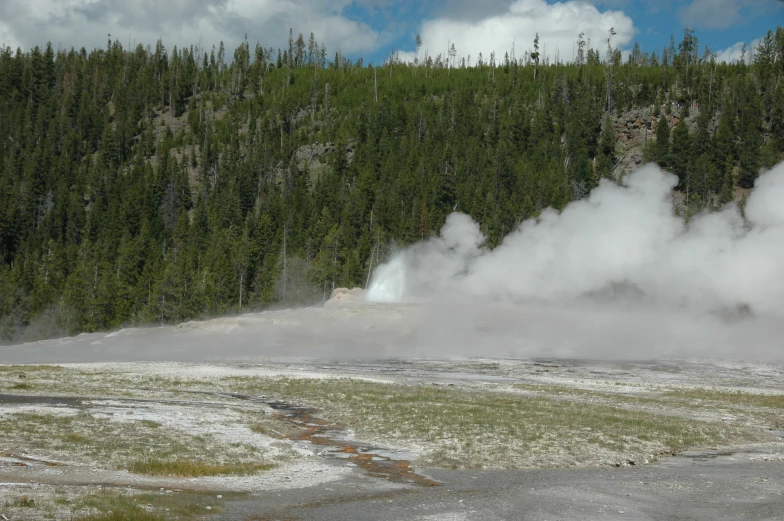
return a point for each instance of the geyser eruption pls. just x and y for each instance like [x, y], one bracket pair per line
[619, 237]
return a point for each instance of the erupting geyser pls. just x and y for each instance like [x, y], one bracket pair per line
[620, 236]
[389, 282]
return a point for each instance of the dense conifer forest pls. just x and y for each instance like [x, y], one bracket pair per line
[154, 185]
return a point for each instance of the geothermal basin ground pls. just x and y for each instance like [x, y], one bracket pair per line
[193, 422]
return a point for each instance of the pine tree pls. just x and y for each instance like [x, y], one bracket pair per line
[661, 151]
[107, 216]
[605, 159]
[680, 156]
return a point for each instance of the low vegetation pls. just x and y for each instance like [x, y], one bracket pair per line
[194, 469]
[564, 423]
[129, 155]
[464, 428]
[144, 447]
[738, 398]
[74, 503]
[164, 506]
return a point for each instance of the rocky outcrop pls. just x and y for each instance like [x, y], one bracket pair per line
[635, 128]
[343, 296]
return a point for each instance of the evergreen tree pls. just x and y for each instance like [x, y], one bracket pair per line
[155, 185]
[680, 156]
[605, 160]
[661, 150]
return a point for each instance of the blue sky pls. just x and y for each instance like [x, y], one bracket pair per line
[719, 24]
[374, 28]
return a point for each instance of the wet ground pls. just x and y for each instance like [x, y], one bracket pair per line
[381, 481]
[333, 441]
[732, 486]
[731, 483]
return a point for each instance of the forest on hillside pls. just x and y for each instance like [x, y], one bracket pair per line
[154, 185]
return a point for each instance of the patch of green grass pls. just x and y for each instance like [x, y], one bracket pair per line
[150, 423]
[131, 514]
[83, 438]
[111, 506]
[193, 468]
[480, 428]
[22, 386]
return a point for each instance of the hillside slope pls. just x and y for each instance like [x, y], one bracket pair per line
[146, 186]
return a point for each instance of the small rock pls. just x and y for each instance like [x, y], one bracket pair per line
[220, 496]
[209, 508]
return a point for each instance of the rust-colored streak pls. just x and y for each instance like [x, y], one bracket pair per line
[332, 435]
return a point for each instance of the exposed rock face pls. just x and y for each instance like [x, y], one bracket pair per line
[635, 128]
[313, 160]
[342, 296]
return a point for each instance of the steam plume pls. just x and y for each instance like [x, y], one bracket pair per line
[622, 242]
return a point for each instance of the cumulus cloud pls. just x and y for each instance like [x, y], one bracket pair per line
[710, 14]
[86, 23]
[734, 52]
[6, 37]
[472, 10]
[558, 25]
[723, 14]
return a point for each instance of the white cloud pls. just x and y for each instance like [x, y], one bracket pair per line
[734, 52]
[86, 23]
[6, 38]
[557, 24]
[724, 14]
[710, 14]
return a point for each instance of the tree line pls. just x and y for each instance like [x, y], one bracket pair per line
[154, 185]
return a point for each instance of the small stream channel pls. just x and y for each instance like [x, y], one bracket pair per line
[376, 461]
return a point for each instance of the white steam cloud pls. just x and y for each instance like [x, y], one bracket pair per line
[614, 276]
[623, 243]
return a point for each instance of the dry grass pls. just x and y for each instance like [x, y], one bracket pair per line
[132, 514]
[26, 502]
[75, 437]
[260, 428]
[195, 469]
[22, 368]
